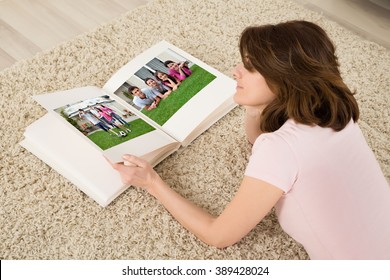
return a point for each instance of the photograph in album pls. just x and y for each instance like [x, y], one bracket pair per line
[103, 121]
[169, 76]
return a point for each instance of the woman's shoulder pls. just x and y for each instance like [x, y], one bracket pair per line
[276, 140]
[289, 128]
[291, 134]
[305, 139]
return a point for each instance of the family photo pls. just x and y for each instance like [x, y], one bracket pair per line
[105, 122]
[163, 85]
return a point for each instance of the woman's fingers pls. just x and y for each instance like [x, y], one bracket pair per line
[131, 160]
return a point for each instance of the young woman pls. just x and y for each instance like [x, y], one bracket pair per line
[178, 70]
[167, 80]
[309, 158]
[158, 87]
[115, 117]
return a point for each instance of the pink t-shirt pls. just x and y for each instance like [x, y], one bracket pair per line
[336, 200]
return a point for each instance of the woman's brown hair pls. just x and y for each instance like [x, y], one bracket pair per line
[298, 61]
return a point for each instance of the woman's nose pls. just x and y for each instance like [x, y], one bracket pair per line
[236, 71]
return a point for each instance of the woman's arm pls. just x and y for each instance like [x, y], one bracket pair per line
[254, 199]
[153, 105]
[167, 93]
[172, 84]
[176, 74]
[150, 107]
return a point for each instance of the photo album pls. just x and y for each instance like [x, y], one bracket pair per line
[159, 101]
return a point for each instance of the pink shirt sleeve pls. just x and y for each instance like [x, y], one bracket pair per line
[176, 74]
[273, 161]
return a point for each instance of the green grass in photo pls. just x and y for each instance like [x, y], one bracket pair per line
[199, 79]
[107, 140]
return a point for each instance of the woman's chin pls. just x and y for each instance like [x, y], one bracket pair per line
[237, 99]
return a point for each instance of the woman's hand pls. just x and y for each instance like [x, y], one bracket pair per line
[167, 93]
[137, 172]
[181, 64]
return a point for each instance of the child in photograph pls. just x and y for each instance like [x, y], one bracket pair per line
[167, 80]
[107, 117]
[112, 121]
[158, 87]
[98, 115]
[93, 120]
[178, 70]
[117, 117]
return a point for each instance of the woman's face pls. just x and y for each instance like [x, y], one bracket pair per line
[151, 83]
[162, 76]
[252, 89]
[173, 66]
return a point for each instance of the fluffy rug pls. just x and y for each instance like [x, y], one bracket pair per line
[44, 216]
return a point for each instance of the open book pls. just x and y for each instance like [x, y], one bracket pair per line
[162, 99]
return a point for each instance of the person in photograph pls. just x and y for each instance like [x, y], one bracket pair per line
[309, 158]
[178, 70]
[168, 80]
[117, 117]
[107, 120]
[93, 120]
[145, 99]
[158, 87]
[98, 115]
[107, 117]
